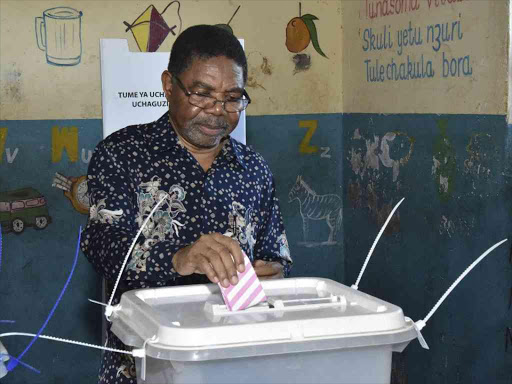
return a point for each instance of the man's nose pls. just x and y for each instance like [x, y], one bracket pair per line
[217, 109]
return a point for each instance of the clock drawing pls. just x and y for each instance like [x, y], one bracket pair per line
[75, 189]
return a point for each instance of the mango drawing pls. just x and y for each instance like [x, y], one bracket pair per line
[300, 31]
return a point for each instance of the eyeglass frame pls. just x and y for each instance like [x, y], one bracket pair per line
[223, 102]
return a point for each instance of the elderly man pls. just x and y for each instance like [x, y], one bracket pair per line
[214, 186]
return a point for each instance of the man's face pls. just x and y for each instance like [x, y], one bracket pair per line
[218, 77]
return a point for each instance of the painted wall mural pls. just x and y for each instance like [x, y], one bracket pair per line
[75, 189]
[376, 162]
[22, 208]
[300, 32]
[227, 27]
[59, 35]
[150, 29]
[444, 165]
[314, 207]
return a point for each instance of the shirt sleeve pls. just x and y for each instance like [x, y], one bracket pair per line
[271, 242]
[113, 225]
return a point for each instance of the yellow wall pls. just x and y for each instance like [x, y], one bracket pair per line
[32, 89]
[484, 31]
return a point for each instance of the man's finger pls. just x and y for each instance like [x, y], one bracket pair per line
[228, 261]
[234, 250]
[218, 266]
[207, 269]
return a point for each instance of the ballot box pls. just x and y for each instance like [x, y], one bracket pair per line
[310, 330]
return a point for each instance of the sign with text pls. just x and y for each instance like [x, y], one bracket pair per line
[131, 87]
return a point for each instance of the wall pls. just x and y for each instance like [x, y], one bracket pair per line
[436, 133]
[50, 121]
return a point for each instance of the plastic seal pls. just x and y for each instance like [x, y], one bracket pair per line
[110, 309]
[418, 326]
[141, 353]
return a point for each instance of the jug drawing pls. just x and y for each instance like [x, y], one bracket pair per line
[59, 35]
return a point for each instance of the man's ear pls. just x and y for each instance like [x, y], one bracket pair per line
[167, 84]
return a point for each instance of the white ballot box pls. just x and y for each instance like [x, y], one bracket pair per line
[311, 330]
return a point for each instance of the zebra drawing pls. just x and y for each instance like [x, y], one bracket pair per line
[317, 207]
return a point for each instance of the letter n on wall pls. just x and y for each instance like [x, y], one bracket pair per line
[64, 138]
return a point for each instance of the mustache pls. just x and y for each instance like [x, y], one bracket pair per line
[214, 123]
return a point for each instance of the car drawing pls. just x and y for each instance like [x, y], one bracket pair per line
[23, 208]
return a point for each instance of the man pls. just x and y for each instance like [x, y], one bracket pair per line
[220, 195]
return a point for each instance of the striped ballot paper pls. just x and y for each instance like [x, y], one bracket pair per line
[247, 293]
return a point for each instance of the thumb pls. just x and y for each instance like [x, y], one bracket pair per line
[259, 263]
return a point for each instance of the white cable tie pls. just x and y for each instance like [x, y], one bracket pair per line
[97, 302]
[356, 285]
[61, 340]
[131, 248]
[141, 353]
[420, 324]
[110, 309]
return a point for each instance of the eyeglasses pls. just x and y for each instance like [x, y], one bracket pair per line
[201, 100]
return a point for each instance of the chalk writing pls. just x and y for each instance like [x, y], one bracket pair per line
[438, 3]
[8, 154]
[305, 147]
[11, 156]
[441, 33]
[86, 155]
[457, 66]
[414, 66]
[406, 70]
[377, 41]
[380, 8]
[325, 152]
[407, 37]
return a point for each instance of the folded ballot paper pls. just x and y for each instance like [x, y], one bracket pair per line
[247, 293]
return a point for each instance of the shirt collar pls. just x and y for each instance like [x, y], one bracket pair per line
[162, 137]
[234, 149]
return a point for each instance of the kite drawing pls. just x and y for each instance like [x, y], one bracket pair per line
[150, 29]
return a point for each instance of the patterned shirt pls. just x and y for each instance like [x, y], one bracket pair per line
[133, 169]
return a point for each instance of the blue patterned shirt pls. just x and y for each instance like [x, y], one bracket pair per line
[134, 168]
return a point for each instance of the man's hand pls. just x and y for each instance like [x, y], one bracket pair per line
[215, 255]
[266, 270]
